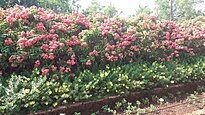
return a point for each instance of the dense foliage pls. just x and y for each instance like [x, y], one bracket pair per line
[23, 94]
[182, 9]
[49, 59]
[62, 45]
[59, 6]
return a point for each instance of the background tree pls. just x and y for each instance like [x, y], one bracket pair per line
[144, 9]
[59, 6]
[186, 9]
[93, 7]
[162, 9]
[109, 10]
[10, 3]
[183, 9]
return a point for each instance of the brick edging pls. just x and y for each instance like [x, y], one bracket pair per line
[91, 106]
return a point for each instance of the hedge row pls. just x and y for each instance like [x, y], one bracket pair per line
[62, 45]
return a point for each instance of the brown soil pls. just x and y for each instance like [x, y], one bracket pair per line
[184, 107]
[88, 107]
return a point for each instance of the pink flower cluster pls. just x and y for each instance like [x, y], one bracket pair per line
[60, 43]
[8, 41]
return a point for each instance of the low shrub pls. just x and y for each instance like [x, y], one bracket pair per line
[25, 94]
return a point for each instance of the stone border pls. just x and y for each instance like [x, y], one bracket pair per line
[88, 107]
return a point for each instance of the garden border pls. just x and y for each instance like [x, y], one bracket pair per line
[91, 106]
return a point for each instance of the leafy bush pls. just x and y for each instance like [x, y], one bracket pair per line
[61, 45]
[25, 94]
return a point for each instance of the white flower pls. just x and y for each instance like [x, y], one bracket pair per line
[161, 99]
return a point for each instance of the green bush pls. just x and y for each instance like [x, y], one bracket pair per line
[27, 94]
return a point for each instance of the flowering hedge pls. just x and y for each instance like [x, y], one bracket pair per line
[61, 45]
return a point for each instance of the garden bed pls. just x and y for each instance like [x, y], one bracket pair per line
[89, 107]
[50, 60]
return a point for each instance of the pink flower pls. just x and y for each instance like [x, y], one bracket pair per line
[70, 43]
[61, 44]
[70, 62]
[120, 55]
[57, 77]
[23, 34]
[131, 54]
[94, 52]
[37, 63]
[52, 31]
[44, 56]
[45, 71]
[10, 19]
[1, 73]
[88, 63]
[40, 27]
[51, 57]
[28, 43]
[62, 28]
[53, 68]
[24, 53]
[19, 59]
[134, 48]
[107, 55]
[8, 41]
[162, 59]
[168, 59]
[105, 32]
[177, 55]
[45, 47]
[129, 31]
[70, 49]
[131, 60]
[84, 44]
[62, 69]
[21, 45]
[192, 53]
[73, 57]
[22, 40]
[11, 58]
[109, 47]
[74, 38]
[67, 69]
[0, 54]
[72, 75]
[30, 33]
[114, 53]
[53, 45]
[13, 65]
[126, 43]
[153, 17]
[116, 36]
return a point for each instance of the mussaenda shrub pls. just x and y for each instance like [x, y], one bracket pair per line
[61, 45]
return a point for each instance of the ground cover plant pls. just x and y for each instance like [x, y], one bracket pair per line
[62, 58]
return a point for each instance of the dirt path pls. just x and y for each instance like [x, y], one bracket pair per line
[194, 104]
